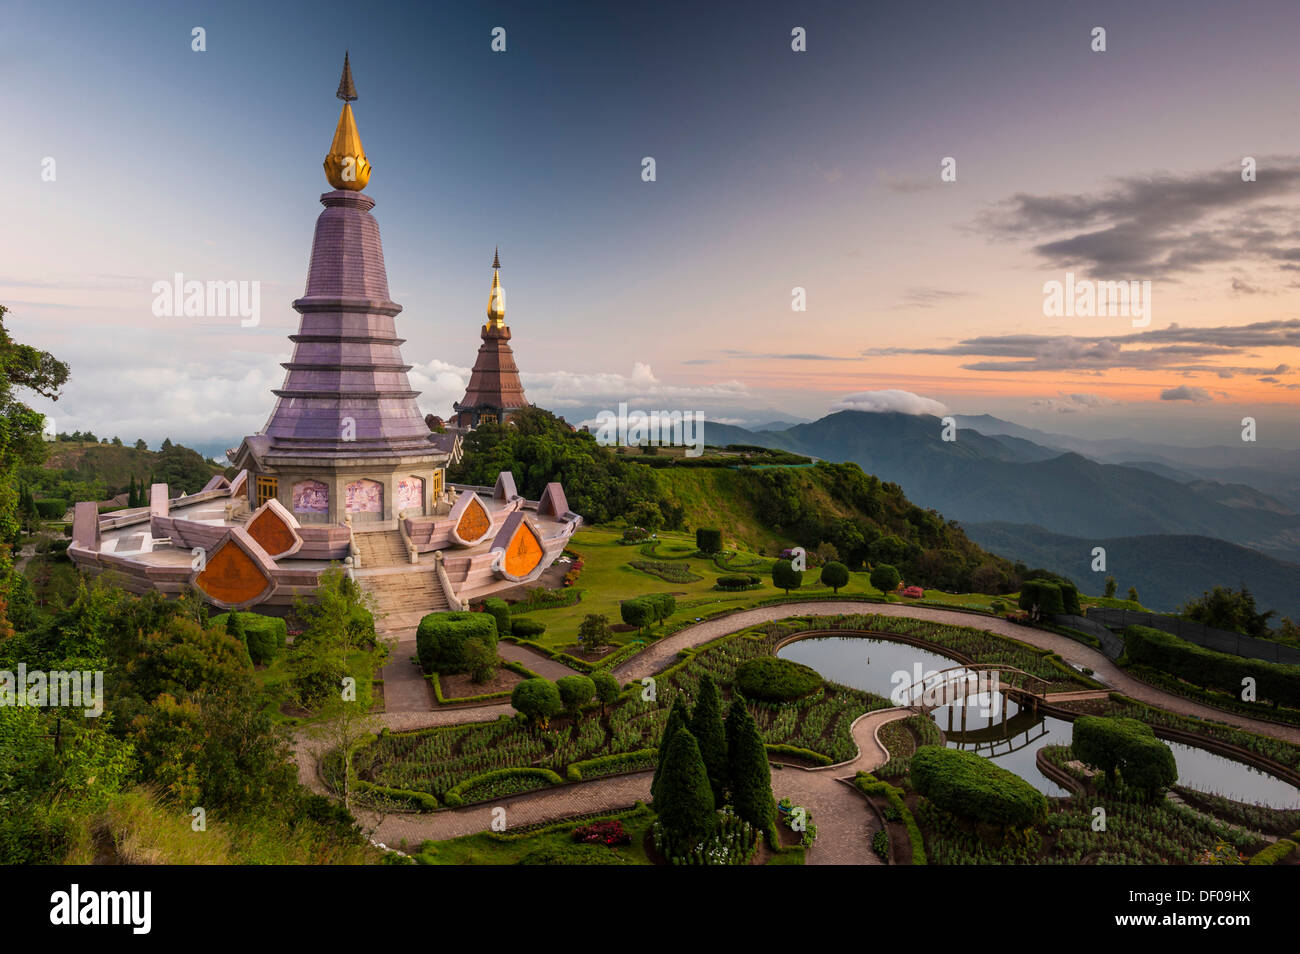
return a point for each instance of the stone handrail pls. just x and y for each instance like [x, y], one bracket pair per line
[440, 570]
[412, 554]
[353, 550]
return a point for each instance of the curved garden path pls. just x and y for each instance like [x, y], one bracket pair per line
[844, 826]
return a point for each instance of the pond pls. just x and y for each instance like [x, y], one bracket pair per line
[1012, 739]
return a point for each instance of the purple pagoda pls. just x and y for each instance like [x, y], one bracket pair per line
[346, 436]
[345, 471]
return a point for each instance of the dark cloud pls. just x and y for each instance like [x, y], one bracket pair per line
[1161, 225]
[1173, 349]
[1185, 393]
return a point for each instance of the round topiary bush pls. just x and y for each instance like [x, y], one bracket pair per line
[441, 637]
[776, 680]
[971, 786]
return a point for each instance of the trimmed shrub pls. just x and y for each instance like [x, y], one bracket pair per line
[499, 610]
[678, 716]
[524, 778]
[615, 764]
[739, 581]
[785, 576]
[708, 540]
[575, 692]
[773, 679]
[538, 699]
[685, 803]
[51, 508]
[440, 639]
[526, 628]
[835, 575]
[1278, 683]
[663, 604]
[1070, 599]
[711, 734]
[969, 785]
[266, 636]
[749, 777]
[1275, 852]
[607, 687]
[1044, 597]
[635, 534]
[885, 578]
[1127, 747]
[637, 612]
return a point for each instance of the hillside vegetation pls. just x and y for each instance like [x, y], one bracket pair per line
[89, 470]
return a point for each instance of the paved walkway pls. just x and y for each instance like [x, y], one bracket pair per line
[542, 665]
[658, 655]
[844, 824]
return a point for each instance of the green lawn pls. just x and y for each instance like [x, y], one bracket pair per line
[496, 848]
[607, 579]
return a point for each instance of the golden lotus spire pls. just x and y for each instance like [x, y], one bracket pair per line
[496, 309]
[346, 166]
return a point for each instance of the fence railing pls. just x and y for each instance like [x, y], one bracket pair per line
[1219, 640]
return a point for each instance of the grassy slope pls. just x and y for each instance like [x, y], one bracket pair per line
[607, 579]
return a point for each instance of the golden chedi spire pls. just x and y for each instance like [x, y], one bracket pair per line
[496, 309]
[346, 166]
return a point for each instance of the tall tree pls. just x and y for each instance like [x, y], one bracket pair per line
[678, 716]
[751, 779]
[21, 433]
[711, 735]
[685, 805]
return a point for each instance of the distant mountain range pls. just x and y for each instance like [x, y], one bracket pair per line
[1167, 570]
[1029, 483]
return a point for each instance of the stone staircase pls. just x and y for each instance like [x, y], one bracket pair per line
[380, 548]
[401, 599]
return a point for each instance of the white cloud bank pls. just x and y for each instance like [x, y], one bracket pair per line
[890, 401]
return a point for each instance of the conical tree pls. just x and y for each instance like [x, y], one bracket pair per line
[711, 735]
[685, 804]
[678, 716]
[751, 779]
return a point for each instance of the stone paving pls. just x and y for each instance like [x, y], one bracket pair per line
[542, 665]
[845, 824]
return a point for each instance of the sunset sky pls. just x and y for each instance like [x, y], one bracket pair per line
[775, 169]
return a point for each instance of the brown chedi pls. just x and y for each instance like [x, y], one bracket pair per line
[494, 390]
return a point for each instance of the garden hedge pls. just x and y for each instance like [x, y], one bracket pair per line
[440, 639]
[795, 752]
[969, 785]
[708, 540]
[1276, 852]
[456, 795]
[615, 764]
[738, 581]
[870, 785]
[1127, 746]
[526, 628]
[51, 508]
[267, 635]
[1277, 683]
[499, 610]
[773, 679]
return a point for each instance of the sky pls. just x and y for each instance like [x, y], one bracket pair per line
[775, 170]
